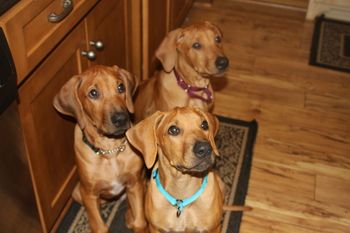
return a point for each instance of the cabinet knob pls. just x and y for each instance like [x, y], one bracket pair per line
[97, 44]
[90, 55]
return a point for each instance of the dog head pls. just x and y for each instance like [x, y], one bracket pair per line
[185, 136]
[100, 97]
[198, 45]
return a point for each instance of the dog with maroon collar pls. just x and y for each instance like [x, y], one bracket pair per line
[190, 57]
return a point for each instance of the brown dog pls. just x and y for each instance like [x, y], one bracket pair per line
[100, 99]
[190, 56]
[183, 139]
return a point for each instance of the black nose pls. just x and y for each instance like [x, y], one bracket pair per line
[120, 119]
[202, 149]
[221, 63]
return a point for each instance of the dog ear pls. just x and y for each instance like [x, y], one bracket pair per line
[67, 101]
[166, 52]
[143, 136]
[213, 129]
[131, 83]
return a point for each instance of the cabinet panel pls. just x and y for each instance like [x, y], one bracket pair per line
[31, 36]
[155, 23]
[178, 12]
[49, 137]
[107, 22]
[158, 18]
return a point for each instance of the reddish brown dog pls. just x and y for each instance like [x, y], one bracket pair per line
[101, 99]
[183, 139]
[190, 56]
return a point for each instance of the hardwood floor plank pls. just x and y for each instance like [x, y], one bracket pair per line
[275, 180]
[261, 225]
[327, 186]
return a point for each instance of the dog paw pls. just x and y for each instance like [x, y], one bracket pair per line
[100, 229]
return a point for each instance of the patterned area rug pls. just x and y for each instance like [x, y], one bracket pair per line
[331, 44]
[235, 142]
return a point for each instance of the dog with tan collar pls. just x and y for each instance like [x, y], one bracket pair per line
[100, 99]
[184, 193]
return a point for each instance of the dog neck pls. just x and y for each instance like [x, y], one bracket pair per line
[193, 91]
[102, 145]
[190, 75]
[175, 182]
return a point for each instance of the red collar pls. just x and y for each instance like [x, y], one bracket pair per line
[191, 89]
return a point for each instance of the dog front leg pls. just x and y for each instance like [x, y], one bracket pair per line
[217, 230]
[135, 215]
[91, 204]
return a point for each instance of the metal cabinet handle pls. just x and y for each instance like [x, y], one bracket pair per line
[97, 44]
[67, 8]
[90, 55]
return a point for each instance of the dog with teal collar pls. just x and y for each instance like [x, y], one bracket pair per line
[184, 194]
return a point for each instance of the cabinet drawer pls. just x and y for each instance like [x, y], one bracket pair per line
[31, 36]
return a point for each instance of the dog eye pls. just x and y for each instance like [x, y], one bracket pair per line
[121, 88]
[93, 94]
[217, 39]
[173, 130]
[196, 45]
[205, 125]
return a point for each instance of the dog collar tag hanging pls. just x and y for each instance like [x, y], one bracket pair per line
[178, 203]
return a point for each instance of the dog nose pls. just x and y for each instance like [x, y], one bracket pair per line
[202, 149]
[120, 119]
[221, 63]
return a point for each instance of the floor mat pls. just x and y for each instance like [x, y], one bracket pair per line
[331, 44]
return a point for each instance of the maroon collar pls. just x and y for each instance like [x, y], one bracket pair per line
[191, 90]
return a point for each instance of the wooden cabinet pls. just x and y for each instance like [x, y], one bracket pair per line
[178, 11]
[49, 135]
[49, 138]
[108, 23]
[48, 54]
[159, 17]
[31, 36]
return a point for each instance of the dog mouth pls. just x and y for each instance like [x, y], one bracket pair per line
[116, 133]
[200, 167]
[219, 73]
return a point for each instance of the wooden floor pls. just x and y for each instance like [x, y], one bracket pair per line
[300, 180]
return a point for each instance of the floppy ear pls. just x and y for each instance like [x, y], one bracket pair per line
[131, 83]
[143, 137]
[213, 129]
[166, 52]
[67, 101]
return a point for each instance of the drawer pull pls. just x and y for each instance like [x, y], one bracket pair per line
[97, 44]
[67, 8]
[90, 55]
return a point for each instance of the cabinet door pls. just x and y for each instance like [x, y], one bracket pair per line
[158, 18]
[155, 25]
[107, 23]
[48, 136]
[178, 12]
[32, 36]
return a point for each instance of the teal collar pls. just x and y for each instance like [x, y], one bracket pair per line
[178, 203]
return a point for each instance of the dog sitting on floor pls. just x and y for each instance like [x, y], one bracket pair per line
[190, 57]
[184, 194]
[100, 99]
